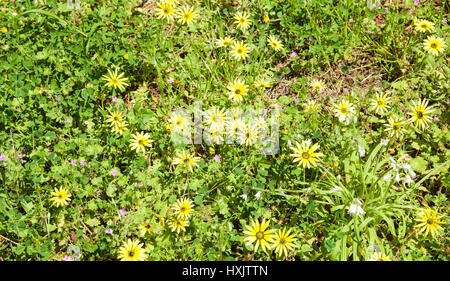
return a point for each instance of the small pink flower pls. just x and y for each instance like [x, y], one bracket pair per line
[444, 21]
[322, 90]
[20, 156]
[277, 107]
[67, 121]
[67, 258]
[159, 232]
[108, 231]
[2, 157]
[58, 98]
[82, 163]
[346, 90]
[416, 2]
[296, 100]
[122, 212]
[311, 39]
[113, 172]
[355, 140]
[114, 99]
[217, 158]
[293, 55]
[73, 162]
[139, 183]
[171, 80]
[436, 118]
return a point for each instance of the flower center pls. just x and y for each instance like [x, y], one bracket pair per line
[430, 221]
[395, 127]
[259, 235]
[305, 155]
[131, 253]
[282, 241]
[380, 103]
[433, 45]
[237, 92]
[419, 114]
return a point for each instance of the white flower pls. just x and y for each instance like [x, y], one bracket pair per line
[258, 195]
[338, 177]
[387, 177]
[397, 177]
[408, 179]
[335, 189]
[384, 142]
[244, 196]
[355, 208]
[289, 143]
[361, 150]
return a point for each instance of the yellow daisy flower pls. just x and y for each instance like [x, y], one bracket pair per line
[242, 20]
[434, 45]
[132, 251]
[187, 15]
[305, 154]
[395, 126]
[237, 90]
[275, 43]
[184, 159]
[177, 122]
[380, 103]
[215, 118]
[248, 135]
[239, 50]
[115, 81]
[183, 208]
[140, 141]
[223, 42]
[423, 25]
[146, 228]
[165, 10]
[378, 256]
[122, 126]
[178, 224]
[263, 84]
[115, 118]
[429, 221]
[259, 233]
[311, 106]
[283, 242]
[61, 197]
[318, 85]
[421, 114]
[344, 110]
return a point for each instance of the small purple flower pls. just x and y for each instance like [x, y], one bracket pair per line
[444, 21]
[277, 107]
[346, 90]
[139, 184]
[217, 158]
[67, 258]
[116, 185]
[171, 80]
[20, 156]
[122, 212]
[73, 162]
[355, 140]
[416, 2]
[159, 232]
[293, 55]
[296, 100]
[113, 172]
[67, 121]
[58, 98]
[114, 99]
[2, 157]
[436, 118]
[108, 231]
[322, 90]
[82, 163]
[311, 39]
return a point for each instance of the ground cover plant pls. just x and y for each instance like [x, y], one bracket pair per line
[224, 130]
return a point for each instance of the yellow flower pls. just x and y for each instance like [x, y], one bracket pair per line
[248, 135]
[378, 256]
[120, 127]
[423, 25]
[434, 45]
[223, 42]
[215, 118]
[237, 90]
[318, 85]
[421, 114]
[311, 106]
[395, 126]
[187, 15]
[115, 81]
[132, 251]
[304, 154]
[344, 110]
[183, 208]
[140, 141]
[283, 242]
[261, 83]
[161, 220]
[380, 103]
[177, 122]
[242, 20]
[146, 228]
[430, 222]
[165, 10]
[275, 43]
[266, 19]
[259, 233]
[115, 118]
[4, 29]
[177, 224]
[126, 56]
[184, 159]
[239, 50]
[61, 197]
